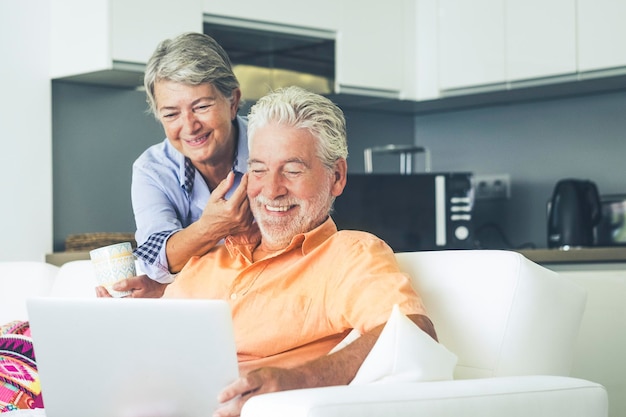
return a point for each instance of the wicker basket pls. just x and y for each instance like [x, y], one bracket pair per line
[88, 241]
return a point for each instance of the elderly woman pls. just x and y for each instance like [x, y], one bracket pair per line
[189, 191]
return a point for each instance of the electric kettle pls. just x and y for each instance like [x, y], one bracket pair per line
[573, 213]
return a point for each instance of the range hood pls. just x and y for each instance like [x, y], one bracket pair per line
[269, 56]
[266, 56]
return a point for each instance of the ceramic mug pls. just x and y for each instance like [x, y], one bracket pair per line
[113, 263]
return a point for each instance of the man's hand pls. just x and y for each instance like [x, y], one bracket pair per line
[257, 382]
[140, 287]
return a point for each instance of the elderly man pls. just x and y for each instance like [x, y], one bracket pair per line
[296, 285]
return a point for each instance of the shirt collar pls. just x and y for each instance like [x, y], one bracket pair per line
[189, 175]
[244, 244]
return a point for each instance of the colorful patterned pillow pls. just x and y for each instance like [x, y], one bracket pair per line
[19, 380]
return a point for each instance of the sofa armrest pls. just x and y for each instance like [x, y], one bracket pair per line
[518, 396]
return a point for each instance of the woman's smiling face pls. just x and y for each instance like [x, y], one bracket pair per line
[197, 120]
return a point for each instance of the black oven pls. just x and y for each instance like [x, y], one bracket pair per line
[410, 212]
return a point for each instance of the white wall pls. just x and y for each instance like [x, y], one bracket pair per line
[25, 135]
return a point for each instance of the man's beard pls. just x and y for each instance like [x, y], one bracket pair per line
[278, 231]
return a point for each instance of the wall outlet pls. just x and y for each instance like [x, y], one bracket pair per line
[492, 187]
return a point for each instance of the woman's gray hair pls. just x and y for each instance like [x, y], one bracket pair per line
[301, 109]
[193, 59]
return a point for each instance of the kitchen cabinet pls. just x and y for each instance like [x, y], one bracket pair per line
[540, 38]
[370, 48]
[109, 41]
[323, 15]
[471, 43]
[492, 43]
[422, 78]
[601, 34]
[408, 50]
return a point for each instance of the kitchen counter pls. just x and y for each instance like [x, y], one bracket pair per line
[582, 255]
[59, 258]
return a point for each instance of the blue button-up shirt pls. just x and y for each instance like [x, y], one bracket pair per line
[168, 194]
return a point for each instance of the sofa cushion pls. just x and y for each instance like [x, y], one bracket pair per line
[405, 353]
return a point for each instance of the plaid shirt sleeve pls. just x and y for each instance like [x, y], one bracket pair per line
[148, 253]
[149, 250]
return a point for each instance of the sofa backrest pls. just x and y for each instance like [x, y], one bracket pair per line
[19, 280]
[499, 312]
[76, 279]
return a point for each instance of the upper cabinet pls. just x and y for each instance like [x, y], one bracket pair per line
[540, 38]
[406, 50]
[370, 48]
[601, 34]
[471, 43]
[110, 41]
[489, 43]
[323, 14]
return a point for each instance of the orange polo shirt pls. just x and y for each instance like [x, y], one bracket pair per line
[297, 304]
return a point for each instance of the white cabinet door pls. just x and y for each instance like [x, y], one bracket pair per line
[601, 34]
[540, 38]
[370, 47]
[102, 35]
[421, 46]
[322, 14]
[471, 43]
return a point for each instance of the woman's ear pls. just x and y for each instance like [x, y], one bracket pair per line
[234, 103]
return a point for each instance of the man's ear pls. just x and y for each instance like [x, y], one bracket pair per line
[340, 173]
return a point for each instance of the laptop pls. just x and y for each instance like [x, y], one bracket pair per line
[103, 357]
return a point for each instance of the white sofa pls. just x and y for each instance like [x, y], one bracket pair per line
[512, 323]
[20, 280]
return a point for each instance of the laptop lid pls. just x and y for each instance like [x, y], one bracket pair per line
[132, 357]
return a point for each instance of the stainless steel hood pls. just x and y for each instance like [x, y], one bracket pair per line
[268, 56]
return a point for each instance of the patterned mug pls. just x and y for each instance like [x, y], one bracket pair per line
[113, 263]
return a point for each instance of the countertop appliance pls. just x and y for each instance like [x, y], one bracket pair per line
[426, 211]
[573, 213]
[611, 231]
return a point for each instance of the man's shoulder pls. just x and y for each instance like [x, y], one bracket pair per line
[357, 238]
[356, 234]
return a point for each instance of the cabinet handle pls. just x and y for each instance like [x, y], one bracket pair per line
[367, 91]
